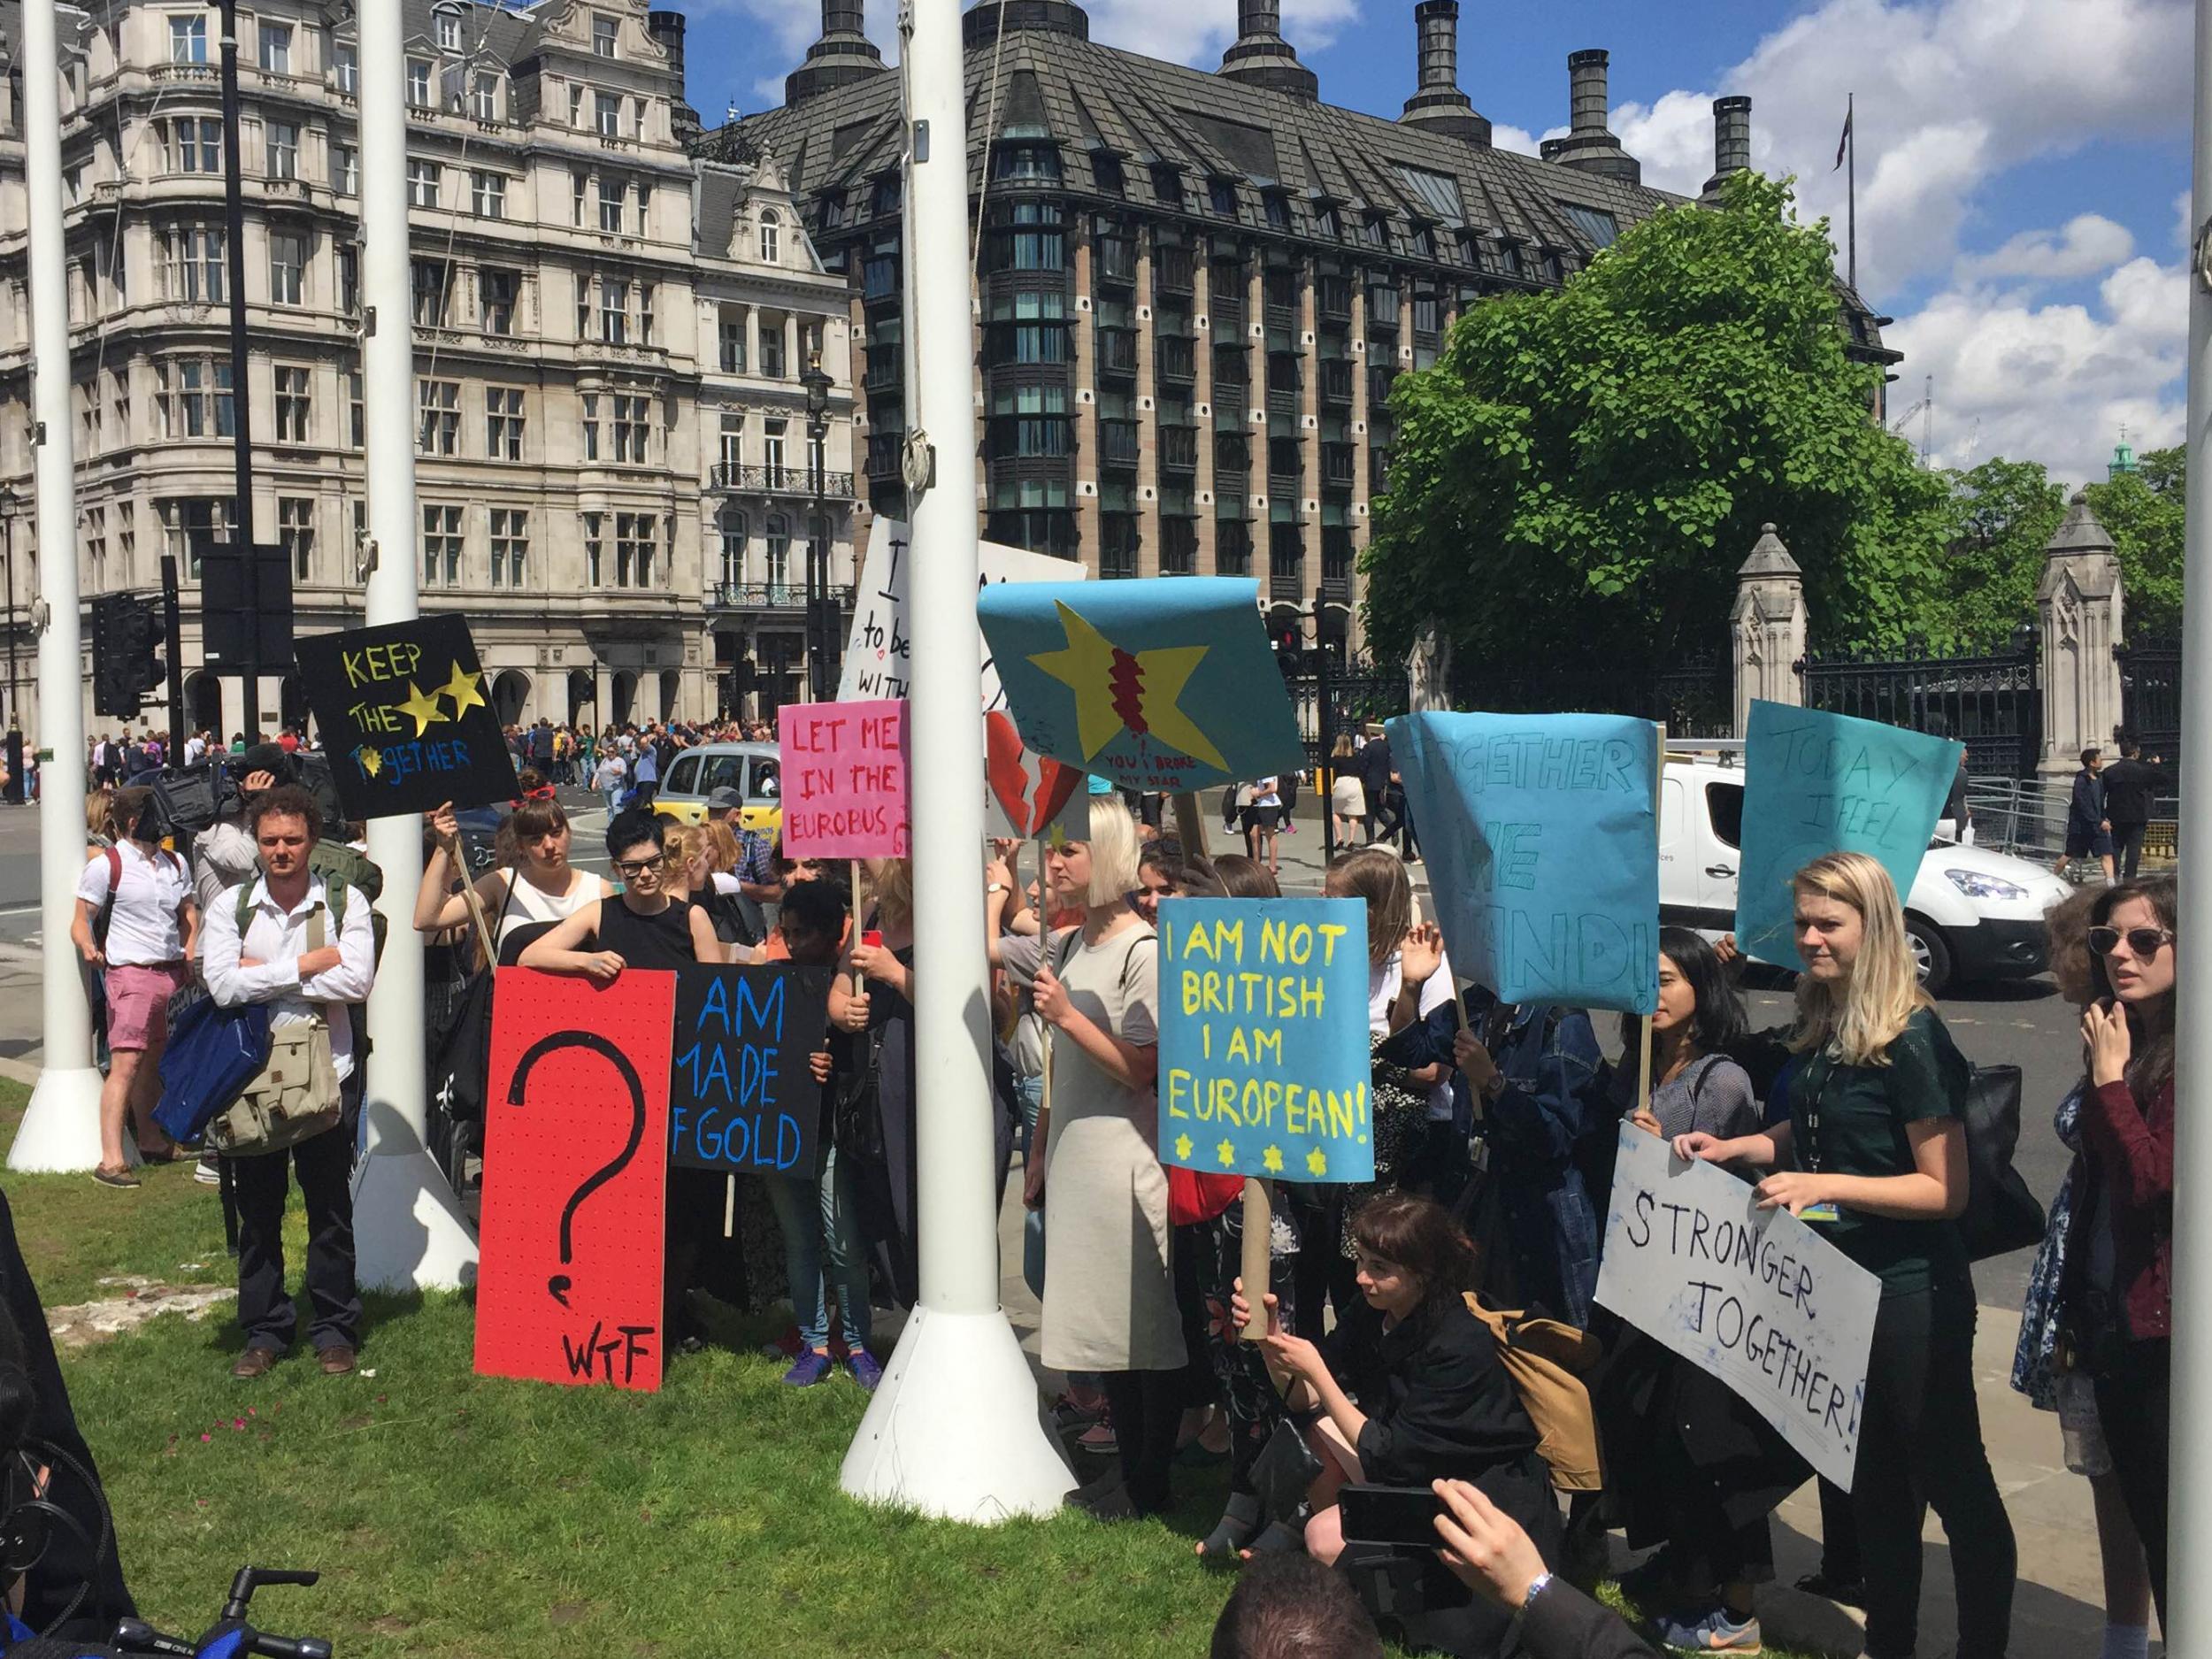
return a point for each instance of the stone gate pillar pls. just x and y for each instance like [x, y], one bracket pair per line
[2077, 608]
[1766, 630]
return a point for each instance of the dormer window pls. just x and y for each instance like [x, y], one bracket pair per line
[605, 31]
[448, 31]
[771, 236]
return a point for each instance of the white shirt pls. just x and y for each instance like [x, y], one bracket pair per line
[276, 939]
[194, 751]
[142, 928]
[1383, 986]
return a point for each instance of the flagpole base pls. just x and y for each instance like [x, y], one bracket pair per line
[60, 1132]
[410, 1231]
[957, 1429]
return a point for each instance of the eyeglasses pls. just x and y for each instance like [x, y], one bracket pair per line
[2143, 942]
[630, 868]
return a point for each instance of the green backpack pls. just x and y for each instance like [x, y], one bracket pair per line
[344, 872]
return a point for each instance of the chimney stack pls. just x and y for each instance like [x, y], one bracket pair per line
[1731, 144]
[843, 56]
[667, 27]
[1440, 106]
[1590, 145]
[1262, 56]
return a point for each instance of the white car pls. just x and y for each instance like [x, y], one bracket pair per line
[1972, 914]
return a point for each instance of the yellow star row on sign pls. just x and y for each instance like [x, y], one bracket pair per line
[1183, 1147]
[422, 707]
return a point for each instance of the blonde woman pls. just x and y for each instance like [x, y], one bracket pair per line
[1873, 1155]
[1109, 1301]
[1347, 796]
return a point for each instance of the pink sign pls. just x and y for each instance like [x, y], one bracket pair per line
[844, 778]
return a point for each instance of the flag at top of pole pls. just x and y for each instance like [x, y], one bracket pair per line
[1843, 143]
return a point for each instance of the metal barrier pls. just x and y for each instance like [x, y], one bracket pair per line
[2026, 816]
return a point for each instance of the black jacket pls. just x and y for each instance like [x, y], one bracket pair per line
[1374, 767]
[1439, 1403]
[1564, 1624]
[2129, 788]
[2087, 810]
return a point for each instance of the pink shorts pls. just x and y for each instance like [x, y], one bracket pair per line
[138, 1005]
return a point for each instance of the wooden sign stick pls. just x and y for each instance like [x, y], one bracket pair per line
[1044, 946]
[1643, 1059]
[858, 978]
[484, 941]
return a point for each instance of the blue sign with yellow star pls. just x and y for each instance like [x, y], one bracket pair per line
[404, 715]
[1166, 683]
[1263, 1049]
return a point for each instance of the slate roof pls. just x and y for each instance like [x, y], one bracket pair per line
[1087, 97]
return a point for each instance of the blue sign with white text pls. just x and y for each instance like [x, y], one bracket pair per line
[1816, 783]
[1542, 833]
[1264, 1051]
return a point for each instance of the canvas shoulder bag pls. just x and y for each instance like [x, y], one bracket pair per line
[295, 1097]
[1547, 1360]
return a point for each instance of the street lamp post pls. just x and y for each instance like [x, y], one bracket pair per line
[818, 632]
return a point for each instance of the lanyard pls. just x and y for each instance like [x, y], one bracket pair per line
[1812, 1108]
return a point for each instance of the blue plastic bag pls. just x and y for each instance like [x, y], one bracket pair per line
[213, 1053]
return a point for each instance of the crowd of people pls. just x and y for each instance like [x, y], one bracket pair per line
[1493, 1131]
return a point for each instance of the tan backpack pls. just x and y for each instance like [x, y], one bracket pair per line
[1547, 1360]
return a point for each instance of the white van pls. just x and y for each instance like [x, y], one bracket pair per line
[1972, 915]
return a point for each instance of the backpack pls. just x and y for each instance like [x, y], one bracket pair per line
[344, 869]
[1547, 1360]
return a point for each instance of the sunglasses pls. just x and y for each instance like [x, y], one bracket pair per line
[630, 868]
[2143, 942]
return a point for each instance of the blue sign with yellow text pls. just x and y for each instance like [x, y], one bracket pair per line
[1264, 1051]
[1166, 683]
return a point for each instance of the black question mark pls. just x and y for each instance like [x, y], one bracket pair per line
[558, 1285]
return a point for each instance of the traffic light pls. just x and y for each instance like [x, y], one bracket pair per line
[127, 665]
[1288, 659]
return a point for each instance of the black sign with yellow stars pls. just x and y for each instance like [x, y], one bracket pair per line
[406, 718]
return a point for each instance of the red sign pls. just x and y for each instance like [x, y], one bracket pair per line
[575, 1179]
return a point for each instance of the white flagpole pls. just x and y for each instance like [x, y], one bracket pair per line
[955, 1430]
[410, 1231]
[2188, 1621]
[61, 1127]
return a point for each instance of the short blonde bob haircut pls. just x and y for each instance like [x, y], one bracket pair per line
[1866, 1012]
[1114, 852]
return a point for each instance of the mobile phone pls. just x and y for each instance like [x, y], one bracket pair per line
[1390, 1515]
[872, 940]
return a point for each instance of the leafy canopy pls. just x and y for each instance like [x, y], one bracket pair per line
[2143, 511]
[1580, 474]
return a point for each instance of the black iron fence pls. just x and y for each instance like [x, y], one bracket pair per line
[1694, 698]
[2150, 694]
[1360, 694]
[1993, 705]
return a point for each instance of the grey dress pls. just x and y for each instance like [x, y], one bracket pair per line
[1108, 1301]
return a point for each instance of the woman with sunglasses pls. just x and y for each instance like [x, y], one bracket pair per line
[2117, 1301]
[1873, 1157]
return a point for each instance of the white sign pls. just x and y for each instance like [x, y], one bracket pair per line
[1755, 1296]
[878, 650]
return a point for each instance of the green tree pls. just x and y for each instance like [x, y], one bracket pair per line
[2002, 515]
[2143, 511]
[1579, 477]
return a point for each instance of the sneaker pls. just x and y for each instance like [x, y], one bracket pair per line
[808, 1368]
[1716, 1632]
[1098, 1439]
[205, 1172]
[865, 1369]
[121, 1178]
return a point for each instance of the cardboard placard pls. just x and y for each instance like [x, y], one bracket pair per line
[1166, 683]
[879, 648]
[1756, 1297]
[845, 779]
[1033, 797]
[576, 1164]
[405, 719]
[1542, 840]
[1817, 783]
[741, 1097]
[1264, 1051]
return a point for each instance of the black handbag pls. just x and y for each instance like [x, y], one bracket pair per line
[1285, 1467]
[2001, 1215]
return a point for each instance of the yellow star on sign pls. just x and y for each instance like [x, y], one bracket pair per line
[371, 760]
[1182, 1147]
[1318, 1163]
[1118, 690]
[422, 707]
[462, 687]
[1228, 1151]
[1271, 1160]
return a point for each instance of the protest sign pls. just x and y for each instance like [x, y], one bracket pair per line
[844, 767]
[1543, 842]
[878, 652]
[1756, 1297]
[1817, 783]
[1264, 1060]
[1166, 683]
[404, 718]
[1033, 797]
[576, 1162]
[741, 1097]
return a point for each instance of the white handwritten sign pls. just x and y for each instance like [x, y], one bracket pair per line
[879, 648]
[1756, 1297]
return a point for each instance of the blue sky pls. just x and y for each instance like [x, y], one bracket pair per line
[2023, 164]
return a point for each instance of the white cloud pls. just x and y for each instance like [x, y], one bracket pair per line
[2088, 245]
[2052, 382]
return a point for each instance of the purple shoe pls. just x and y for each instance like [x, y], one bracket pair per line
[808, 1368]
[867, 1372]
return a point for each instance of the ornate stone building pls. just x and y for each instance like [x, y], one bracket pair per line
[609, 338]
[1195, 289]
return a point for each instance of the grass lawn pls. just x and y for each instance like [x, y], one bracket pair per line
[475, 1518]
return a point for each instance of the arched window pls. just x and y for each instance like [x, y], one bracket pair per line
[732, 527]
[770, 235]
